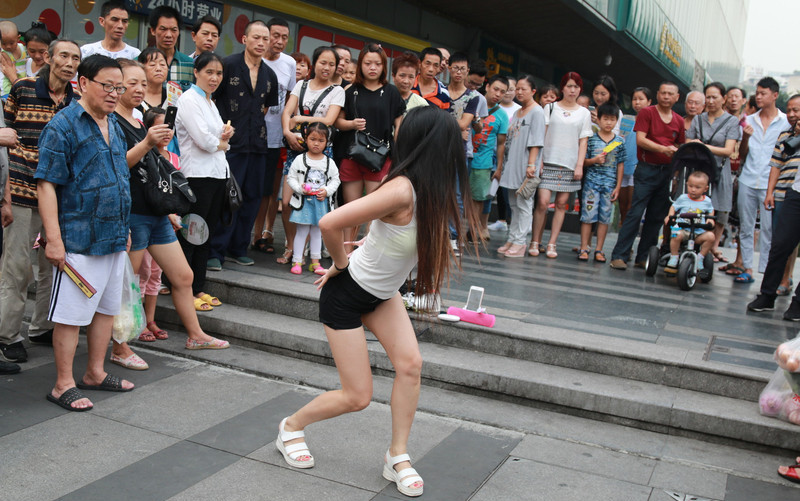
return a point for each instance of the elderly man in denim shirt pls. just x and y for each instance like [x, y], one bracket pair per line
[84, 200]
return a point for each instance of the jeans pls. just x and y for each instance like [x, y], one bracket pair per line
[650, 193]
[785, 242]
[751, 202]
[250, 170]
[18, 273]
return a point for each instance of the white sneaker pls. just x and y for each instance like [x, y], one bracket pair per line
[498, 226]
[454, 245]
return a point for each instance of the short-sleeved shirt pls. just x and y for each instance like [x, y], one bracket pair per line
[439, 98]
[755, 170]
[685, 204]
[133, 136]
[787, 165]
[334, 98]
[379, 107]
[523, 133]
[605, 172]
[127, 52]
[244, 106]
[725, 127]
[481, 112]
[674, 133]
[28, 109]
[565, 129]
[465, 103]
[181, 70]
[94, 200]
[484, 143]
[285, 70]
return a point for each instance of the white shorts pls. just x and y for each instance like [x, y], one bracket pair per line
[70, 306]
[627, 181]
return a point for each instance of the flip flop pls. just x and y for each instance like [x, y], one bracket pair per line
[147, 337]
[211, 300]
[201, 305]
[744, 278]
[110, 383]
[67, 398]
[263, 245]
[734, 270]
[792, 475]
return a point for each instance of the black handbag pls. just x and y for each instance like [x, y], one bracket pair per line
[233, 199]
[366, 149]
[166, 189]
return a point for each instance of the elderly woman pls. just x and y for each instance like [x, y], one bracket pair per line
[155, 69]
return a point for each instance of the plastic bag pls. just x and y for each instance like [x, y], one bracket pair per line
[778, 399]
[130, 321]
[788, 355]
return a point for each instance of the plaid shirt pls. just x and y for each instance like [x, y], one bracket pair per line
[181, 70]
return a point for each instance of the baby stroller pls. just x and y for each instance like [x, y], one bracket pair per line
[690, 157]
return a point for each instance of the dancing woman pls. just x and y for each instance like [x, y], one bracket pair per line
[409, 212]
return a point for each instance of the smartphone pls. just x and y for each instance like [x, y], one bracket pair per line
[474, 299]
[169, 119]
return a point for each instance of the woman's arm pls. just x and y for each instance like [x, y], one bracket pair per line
[329, 118]
[397, 122]
[155, 135]
[723, 151]
[584, 141]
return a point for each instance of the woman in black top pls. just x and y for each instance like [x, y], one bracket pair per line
[372, 105]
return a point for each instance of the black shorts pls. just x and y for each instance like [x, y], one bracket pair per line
[342, 302]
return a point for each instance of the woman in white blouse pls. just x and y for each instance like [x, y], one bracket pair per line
[203, 140]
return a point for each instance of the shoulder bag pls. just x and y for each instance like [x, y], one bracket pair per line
[366, 149]
[233, 199]
[300, 128]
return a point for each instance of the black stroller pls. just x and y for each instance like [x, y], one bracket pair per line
[690, 157]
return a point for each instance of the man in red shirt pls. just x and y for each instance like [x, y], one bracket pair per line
[659, 132]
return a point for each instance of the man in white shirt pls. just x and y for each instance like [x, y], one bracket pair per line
[758, 141]
[284, 67]
[205, 35]
[114, 19]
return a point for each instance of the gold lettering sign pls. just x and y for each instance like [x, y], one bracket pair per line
[670, 46]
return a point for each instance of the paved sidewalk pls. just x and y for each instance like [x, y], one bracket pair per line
[193, 430]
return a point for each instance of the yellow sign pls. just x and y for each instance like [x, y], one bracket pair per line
[670, 46]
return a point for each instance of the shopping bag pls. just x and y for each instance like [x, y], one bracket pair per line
[130, 322]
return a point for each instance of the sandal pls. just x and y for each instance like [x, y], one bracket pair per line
[292, 452]
[405, 478]
[159, 333]
[164, 291]
[515, 250]
[210, 300]
[733, 270]
[109, 383]
[134, 362]
[297, 269]
[599, 256]
[583, 255]
[68, 398]
[551, 251]
[503, 248]
[147, 337]
[214, 344]
[533, 250]
[792, 472]
[744, 278]
[201, 305]
[317, 268]
[287, 255]
[263, 245]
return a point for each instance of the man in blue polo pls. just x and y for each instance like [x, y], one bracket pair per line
[84, 202]
[249, 87]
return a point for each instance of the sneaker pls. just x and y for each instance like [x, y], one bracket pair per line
[498, 226]
[14, 352]
[618, 264]
[45, 338]
[764, 303]
[640, 264]
[8, 368]
[214, 264]
[793, 313]
[242, 261]
[454, 245]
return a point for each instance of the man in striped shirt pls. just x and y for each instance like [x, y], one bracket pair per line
[31, 104]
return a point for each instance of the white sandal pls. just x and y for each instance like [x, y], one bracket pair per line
[403, 478]
[294, 451]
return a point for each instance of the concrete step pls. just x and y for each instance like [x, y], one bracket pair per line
[612, 398]
[675, 367]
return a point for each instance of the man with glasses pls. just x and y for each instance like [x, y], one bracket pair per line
[165, 25]
[426, 85]
[85, 202]
[31, 104]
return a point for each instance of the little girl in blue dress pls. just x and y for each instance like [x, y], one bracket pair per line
[314, 179]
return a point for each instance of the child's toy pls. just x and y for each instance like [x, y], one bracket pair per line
[689, 158]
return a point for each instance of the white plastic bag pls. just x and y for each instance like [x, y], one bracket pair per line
[130, 321]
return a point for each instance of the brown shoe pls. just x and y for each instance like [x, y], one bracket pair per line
[641, 264]
[618, 264]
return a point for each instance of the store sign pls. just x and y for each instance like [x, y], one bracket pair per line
[500, 59]
[648, 25]
[190, 10]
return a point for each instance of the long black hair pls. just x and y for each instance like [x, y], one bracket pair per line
[429, 151]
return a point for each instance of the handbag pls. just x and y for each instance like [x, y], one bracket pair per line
[165, 189]
[366, 149]
[233, 199]
[528, 187]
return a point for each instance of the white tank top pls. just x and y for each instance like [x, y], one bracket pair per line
[389, 254]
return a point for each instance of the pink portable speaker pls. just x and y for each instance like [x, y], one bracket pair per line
[472, 317]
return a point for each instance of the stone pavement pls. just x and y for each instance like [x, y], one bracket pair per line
[192, 430]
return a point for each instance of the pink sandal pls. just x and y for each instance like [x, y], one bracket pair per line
[214, 344]
[297, 268]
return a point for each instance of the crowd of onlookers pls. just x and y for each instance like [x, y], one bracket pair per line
[80, 121]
